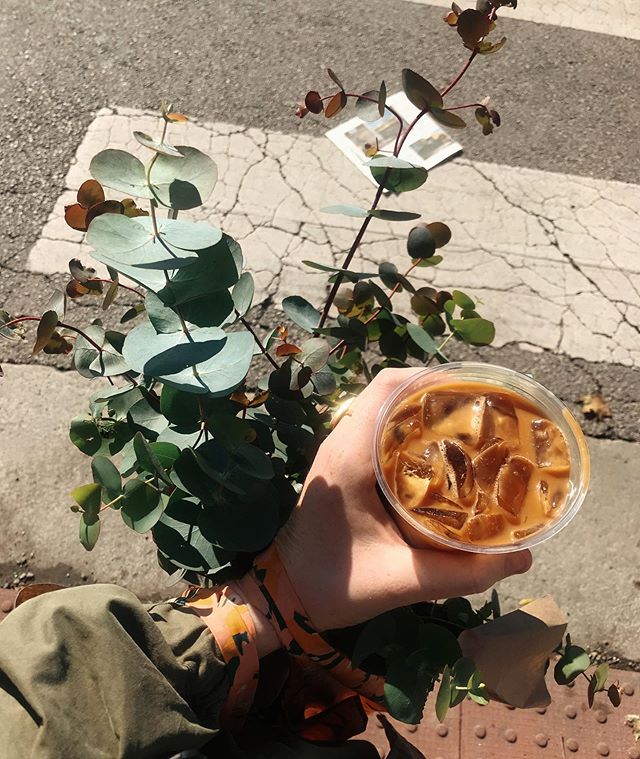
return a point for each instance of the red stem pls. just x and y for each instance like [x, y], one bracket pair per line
[111, 281]
[461, 73]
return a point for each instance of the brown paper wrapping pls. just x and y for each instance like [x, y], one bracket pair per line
[512, 652]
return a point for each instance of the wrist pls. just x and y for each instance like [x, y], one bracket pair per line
[267, 640]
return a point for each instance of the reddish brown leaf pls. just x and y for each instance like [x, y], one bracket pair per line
[336, 104]
[76, 289]
[109, 206]
[283, 333]
[313, 102]
[58, 345]
[441, 233]
[90, 193]
[333, 76]
[287, 349]
[301, 110]
[472, 26]
[451, 18]
[46, 328]
[176, 117]
[76, 217]
[448, 118]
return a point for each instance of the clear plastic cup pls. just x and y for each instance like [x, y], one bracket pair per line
[418, 534]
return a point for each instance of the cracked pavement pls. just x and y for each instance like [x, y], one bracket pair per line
[554, 258]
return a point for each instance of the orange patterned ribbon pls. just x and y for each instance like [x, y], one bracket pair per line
[299, 637]
[226, 614]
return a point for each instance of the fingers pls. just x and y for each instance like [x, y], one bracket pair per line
[441, 574]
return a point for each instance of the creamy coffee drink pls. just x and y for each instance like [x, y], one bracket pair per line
[475, 463]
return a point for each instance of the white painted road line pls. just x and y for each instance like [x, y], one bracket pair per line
[620, 18]
[554, 258]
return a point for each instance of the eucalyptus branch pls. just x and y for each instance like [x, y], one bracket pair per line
[377, 311]
[149, 482]
[259, 342]
[111, 281]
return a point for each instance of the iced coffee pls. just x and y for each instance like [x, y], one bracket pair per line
[476, 463]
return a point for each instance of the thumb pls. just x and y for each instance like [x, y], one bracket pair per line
[442, 574]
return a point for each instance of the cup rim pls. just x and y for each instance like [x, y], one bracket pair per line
[550, 402]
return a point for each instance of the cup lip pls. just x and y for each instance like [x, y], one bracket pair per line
[571, 427]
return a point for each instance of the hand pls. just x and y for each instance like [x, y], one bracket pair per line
[341, 549]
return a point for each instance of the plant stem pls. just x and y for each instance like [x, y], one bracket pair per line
[259, 342]
[459, 75]
[121, 496]
[440, 347]
[110, 281]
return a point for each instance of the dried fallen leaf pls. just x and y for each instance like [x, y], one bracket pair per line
[593, 404]
[633, 721]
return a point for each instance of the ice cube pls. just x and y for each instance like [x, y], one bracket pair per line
[513, 480]
[413, 476]
[453, 415]
[550, 444]
[430, 452]
[519, 534]
[459, 469]
[448, 517]
[398, 431]
[482, 504]
[550, 500]
[500, 420]
[482, 527]
[487, 463]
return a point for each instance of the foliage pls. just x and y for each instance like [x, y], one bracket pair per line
[182, 445]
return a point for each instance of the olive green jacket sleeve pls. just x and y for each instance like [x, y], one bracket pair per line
[91, 673]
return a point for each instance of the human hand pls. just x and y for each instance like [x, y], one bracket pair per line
[343, 552]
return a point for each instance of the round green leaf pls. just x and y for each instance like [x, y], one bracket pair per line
[141, 507]
[346, 210]
[237, 525]
[448, 118]
[183, 183]
[216, 269]
[118, 239]
[573, 662]
[443, 699]
[462, 300]
[243, 292]
[85, 435]
[180, 408]
[300, 311]
[147, 459]
[221, 361]
[397, 175]
[474, 331]
[121, 171]
[421, 242]
[89, 531]
[419, 91]
[366, 109]
[105, 474]
[88, 498]
[315, 353]
[164, 319]
[394, 215]
[408, 681]
[159, 147]
[422, 339]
